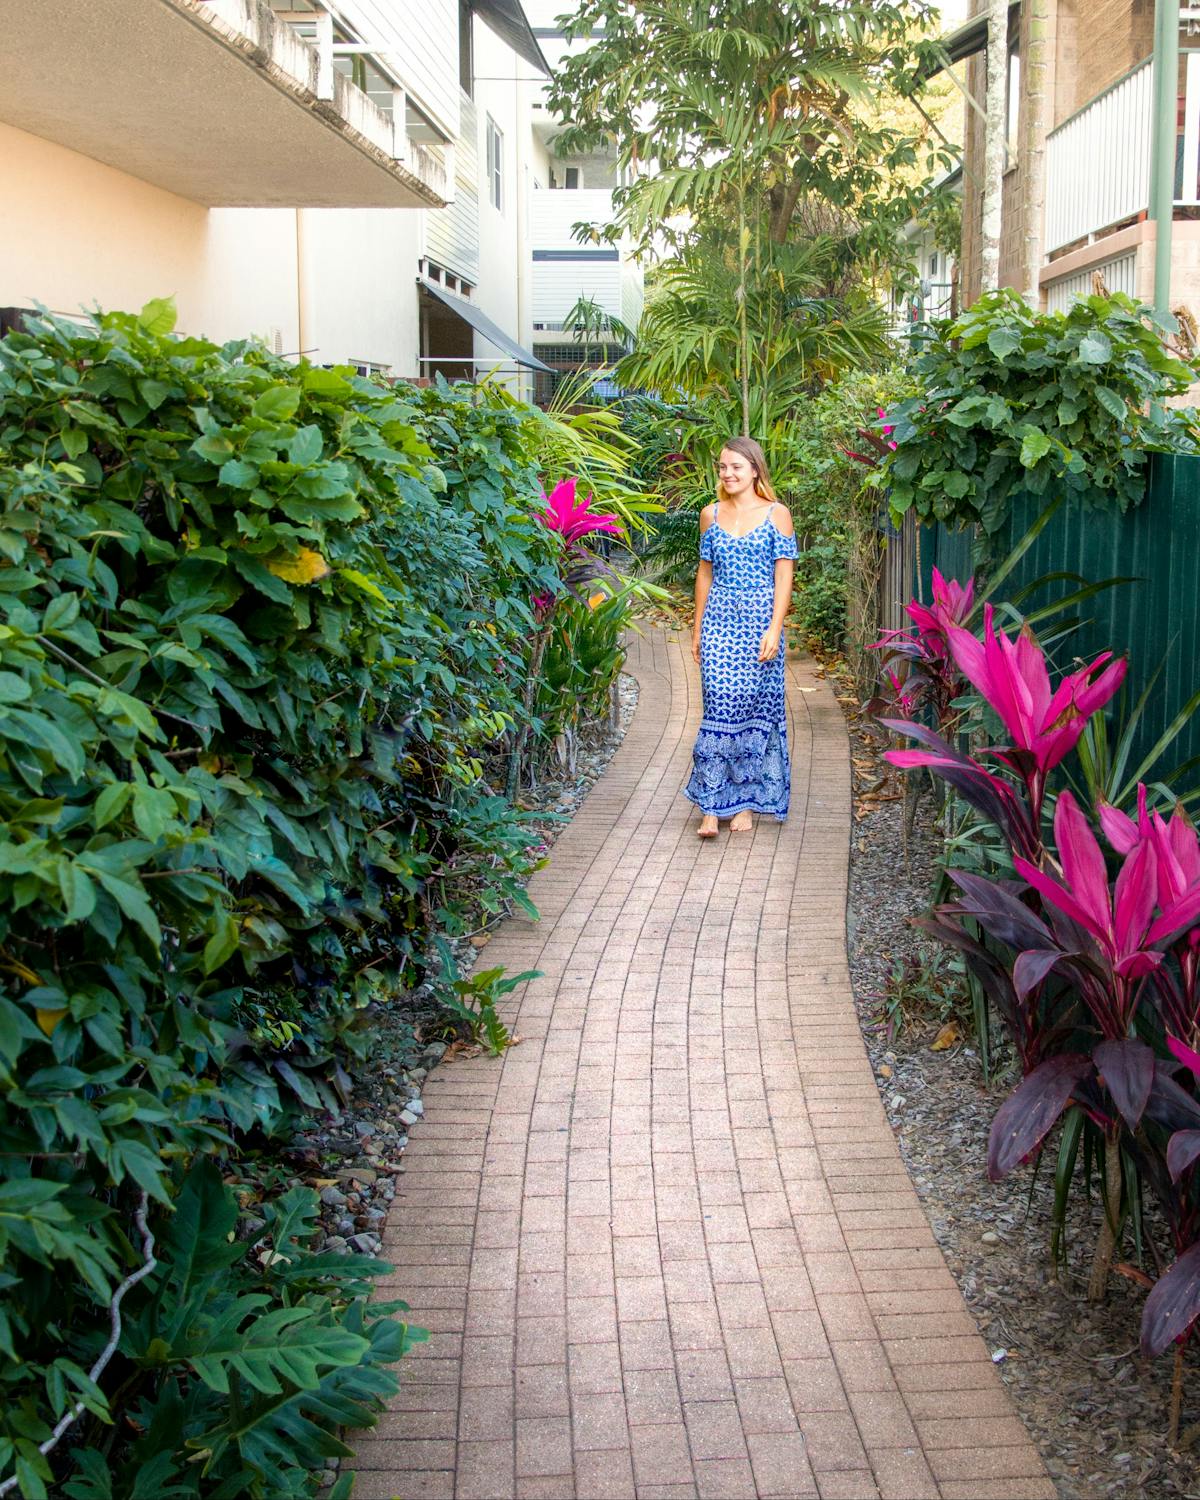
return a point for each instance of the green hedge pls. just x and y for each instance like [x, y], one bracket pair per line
[258, 625]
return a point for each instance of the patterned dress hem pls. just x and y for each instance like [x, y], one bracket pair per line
[732, 812]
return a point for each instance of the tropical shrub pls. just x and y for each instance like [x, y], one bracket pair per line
[261, 625]
[1090, 960]
[1014, 400]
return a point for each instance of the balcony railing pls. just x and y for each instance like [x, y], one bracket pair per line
[1098, 161]
[309, 50]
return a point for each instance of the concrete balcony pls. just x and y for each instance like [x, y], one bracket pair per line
[218, 101]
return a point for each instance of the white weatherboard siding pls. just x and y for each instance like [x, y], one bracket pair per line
[452, 233]
[558, 285]
[418, 40]
[633, 297]
[503, 231]
[1120, 275]
[565, 270]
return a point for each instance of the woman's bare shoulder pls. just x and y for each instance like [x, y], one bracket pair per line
[782, 518]
[706, 517]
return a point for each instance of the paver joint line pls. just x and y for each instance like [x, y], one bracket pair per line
[667, 1246]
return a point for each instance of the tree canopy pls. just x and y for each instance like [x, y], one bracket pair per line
[769, 103]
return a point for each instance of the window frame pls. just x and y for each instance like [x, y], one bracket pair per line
[495, 165]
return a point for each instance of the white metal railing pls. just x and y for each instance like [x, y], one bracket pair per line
[1098, 161]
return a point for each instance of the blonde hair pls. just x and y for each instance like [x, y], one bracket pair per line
[749, 449]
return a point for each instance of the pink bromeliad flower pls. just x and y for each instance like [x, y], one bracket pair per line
[1014, 678]
[573, 519]
[886, 430]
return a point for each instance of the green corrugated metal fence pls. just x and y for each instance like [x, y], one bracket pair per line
[1155, 618]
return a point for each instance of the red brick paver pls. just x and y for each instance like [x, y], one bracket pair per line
[667, 1247]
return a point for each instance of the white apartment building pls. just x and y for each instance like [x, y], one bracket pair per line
[354, 180]
[566, 191]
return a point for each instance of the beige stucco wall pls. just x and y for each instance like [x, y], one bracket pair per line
[359, 284]
[77, 233]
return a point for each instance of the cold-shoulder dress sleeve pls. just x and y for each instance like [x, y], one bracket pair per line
[706, 545]
[783, 546]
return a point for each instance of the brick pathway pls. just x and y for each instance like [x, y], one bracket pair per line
[668, 1247]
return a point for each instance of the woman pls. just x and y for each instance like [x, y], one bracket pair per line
[743, 587]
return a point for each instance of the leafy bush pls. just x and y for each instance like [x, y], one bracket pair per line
[259, 624]
[1016, 400]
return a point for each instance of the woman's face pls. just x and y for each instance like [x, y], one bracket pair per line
[735, 472]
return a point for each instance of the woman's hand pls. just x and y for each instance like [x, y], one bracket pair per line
[768, 648]
[696, 648]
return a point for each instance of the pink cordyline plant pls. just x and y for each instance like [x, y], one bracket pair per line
[573, 520]
[1013, 677]
[929, 673]
[1176, 850]
[1125, 953]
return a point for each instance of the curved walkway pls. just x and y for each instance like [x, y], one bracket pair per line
[668, 1247]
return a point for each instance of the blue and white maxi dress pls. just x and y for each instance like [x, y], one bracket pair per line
[740, 762]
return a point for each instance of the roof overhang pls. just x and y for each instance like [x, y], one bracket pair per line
[508, 20]
[484, 326]
[966, 40]
[219, 103]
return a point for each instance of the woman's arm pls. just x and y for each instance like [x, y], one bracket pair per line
[704, 575]
[785, 572]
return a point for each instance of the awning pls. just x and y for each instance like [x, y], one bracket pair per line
[482, 324]
[508, 20]
[967, 40]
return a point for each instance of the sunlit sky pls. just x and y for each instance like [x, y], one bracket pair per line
[954, 13]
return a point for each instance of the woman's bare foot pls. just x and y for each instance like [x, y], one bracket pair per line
[741, 823]
[708, 826]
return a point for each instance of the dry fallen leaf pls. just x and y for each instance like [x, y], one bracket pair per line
[948, 1037]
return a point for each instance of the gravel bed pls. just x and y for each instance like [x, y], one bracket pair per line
[1096, 1409]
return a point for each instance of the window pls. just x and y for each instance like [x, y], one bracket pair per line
[466, 49]
[1012, 107]
[495, 163]
[572, 177]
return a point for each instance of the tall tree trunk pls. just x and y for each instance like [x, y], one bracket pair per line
[743, 324]
[993, 145]
[1035, 81]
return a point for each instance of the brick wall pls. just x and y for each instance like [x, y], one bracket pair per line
[1098, 42]
[1094, 43]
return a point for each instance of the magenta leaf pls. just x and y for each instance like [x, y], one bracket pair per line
[1127, 1067]
[1029, 1113]
[1182, 1150]
[1173, 1305]
[1188, 1057]
[1119, 828]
